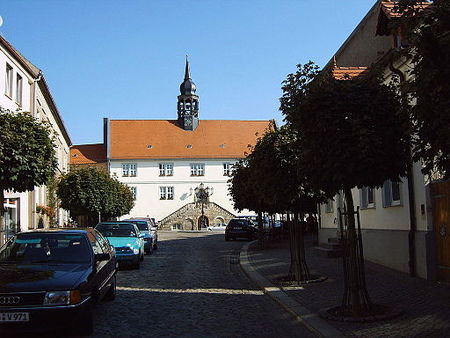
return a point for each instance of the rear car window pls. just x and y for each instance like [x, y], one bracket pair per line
[45, 247]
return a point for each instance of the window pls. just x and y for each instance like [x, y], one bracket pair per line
[392, 193]
[129, 169]
[197, 169]
[227, 169]
[19, 90]
[367, 198]
[133, 192]
[9, 80]
[329, 206]
[166, 193]
[166, 169]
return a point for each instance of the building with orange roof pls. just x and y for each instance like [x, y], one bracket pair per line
[398, 227]
[167, 163]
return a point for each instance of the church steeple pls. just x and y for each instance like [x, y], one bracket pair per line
[188, 102]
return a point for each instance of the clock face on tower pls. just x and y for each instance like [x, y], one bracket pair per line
[188, 122]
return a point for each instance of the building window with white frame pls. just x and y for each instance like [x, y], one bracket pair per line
[19, 84]
[166, 193]
[9, 81]
[367, 198]
[197, 169]
[129, 169]
[392, 195]
[227, 169]
[329, 206]
[166, 169]
[134, 192]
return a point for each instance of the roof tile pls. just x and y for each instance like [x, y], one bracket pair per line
[164, 139]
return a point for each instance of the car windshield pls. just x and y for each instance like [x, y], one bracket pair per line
[46, 248]
[238, 222]
[117, 230]
[142, 225]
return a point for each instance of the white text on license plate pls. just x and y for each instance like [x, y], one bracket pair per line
[14, 317]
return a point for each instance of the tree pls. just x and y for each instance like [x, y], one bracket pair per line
[90, 191]
[27, 154]
[269, 180]
[428, 31]
[352, 133]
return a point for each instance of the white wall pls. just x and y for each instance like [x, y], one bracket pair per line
[10, 102]
[148, 182]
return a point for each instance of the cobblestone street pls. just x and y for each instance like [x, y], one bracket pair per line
[192, 286]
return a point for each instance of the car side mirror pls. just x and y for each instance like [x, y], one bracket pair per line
[102, 257]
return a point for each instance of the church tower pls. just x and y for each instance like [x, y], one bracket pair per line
[188, 102]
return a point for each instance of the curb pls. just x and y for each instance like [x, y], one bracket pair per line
[310, 320]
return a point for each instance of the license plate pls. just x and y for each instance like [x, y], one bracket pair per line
[14, 317]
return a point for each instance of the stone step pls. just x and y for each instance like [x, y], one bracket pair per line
[332, 246]
[334, 240]
[330, 253]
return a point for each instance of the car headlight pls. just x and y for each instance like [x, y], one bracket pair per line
[62, 297]
[136, 251]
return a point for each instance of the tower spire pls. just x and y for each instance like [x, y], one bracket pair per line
[188, 101]
[187, 72]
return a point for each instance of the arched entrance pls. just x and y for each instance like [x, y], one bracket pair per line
[203, 222]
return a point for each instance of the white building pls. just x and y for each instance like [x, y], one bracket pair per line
[397, 223]
[25, 89]
[164, 161]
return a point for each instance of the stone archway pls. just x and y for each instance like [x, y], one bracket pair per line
[189, 224]
[219, 220]
[203, 222]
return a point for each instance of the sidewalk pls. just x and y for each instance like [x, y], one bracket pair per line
[426, 304]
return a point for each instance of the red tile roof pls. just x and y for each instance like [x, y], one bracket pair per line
[164, 139]
[388, 7]
[345, 73]
[87, 154]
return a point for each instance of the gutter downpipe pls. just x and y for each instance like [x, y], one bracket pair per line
[411, 200]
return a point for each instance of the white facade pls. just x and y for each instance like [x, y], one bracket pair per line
[23, 88]
[148, 183]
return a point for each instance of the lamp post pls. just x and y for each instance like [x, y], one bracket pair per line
[202, 197]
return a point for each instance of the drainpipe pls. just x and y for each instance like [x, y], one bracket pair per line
[412, 202]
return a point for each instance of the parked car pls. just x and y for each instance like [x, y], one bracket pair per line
[217, 227]
[126, 240]
[55, 275]
[240, 228]
[150, 237]
[153, 227]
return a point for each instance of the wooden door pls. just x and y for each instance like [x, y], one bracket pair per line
[440, 196]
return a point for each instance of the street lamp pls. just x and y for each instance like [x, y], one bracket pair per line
[202, 197]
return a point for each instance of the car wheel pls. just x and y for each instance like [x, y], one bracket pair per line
[141, 256]
[227, 238]
[111, 294]
[85, 324]
[137, 265]
[156, 246]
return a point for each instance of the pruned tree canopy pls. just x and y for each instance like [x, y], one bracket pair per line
[352, 133]
[27, 154]
[89, 191]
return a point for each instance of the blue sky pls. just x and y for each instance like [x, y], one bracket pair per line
[125, 59]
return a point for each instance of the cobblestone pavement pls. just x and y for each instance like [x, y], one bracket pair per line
[426, 304]
[192, 286]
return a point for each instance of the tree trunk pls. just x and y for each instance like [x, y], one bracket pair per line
[2, 216]
[260, 231]
[355, 295]
[299, 269]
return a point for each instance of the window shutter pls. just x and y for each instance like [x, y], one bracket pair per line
[363, 197]
[387, 194]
